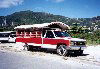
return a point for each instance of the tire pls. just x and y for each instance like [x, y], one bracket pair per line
[80, 52]
[62, 50]
[26, 47]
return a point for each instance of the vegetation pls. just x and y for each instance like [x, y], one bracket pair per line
[91, 38]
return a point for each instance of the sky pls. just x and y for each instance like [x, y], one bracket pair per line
[68, 8]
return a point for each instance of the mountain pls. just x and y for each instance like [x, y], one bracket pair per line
[30, 17]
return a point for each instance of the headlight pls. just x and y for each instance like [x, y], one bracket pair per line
[74, 43]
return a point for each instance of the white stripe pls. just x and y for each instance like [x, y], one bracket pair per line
[34, 44]
[49, 46]
[42, 45]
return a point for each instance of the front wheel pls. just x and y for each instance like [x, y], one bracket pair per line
[80, 52]
[62, 50]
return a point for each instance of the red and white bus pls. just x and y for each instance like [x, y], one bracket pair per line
[50, 36]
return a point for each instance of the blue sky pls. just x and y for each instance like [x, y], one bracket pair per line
[68, 8]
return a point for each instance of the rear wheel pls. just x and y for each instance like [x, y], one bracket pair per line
[62, 50]
[26, 47]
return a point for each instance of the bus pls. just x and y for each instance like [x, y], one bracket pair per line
[49, 36]
[8, 36]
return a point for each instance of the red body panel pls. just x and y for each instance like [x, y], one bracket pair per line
[29, 40]
[45, 41]
[55, 41]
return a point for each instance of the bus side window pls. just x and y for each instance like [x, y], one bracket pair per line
[18, 33]
[22, 34]
[43, 33]
[49, 34]
[33, 34]
[27, 32]
[1, 35]
[12, 36]
[38, 34]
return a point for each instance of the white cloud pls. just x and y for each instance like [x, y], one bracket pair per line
[57, 1]
[9, 3]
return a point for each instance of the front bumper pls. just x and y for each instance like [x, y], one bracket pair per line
[76, 47]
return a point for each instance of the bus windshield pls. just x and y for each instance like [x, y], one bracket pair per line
[4, 34]
[61, 34]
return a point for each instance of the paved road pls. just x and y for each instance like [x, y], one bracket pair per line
[9, 60]
[16, 61]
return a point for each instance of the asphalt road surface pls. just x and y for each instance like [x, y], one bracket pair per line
[12, 59]
[16, 61]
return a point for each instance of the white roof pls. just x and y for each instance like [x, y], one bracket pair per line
[41, 25]
[7, 32]
[23, 26]
[62, 25]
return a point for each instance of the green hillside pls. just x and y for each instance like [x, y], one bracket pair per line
[30, 17]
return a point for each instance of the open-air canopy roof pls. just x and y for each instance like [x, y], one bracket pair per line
[59, 25]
